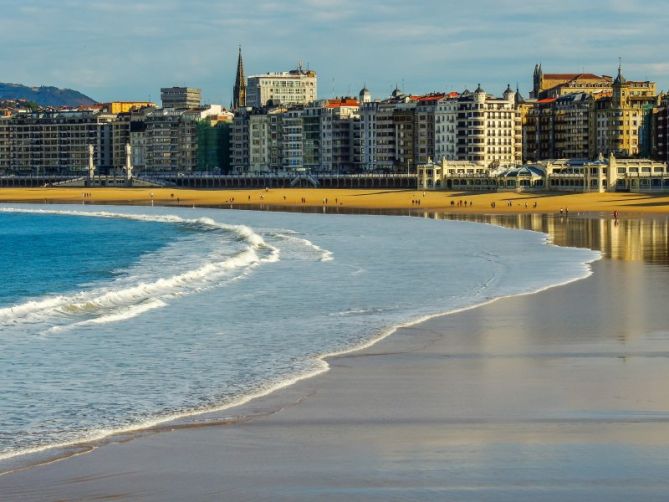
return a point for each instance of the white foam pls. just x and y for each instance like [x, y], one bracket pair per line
[324, 254]
[113, 304]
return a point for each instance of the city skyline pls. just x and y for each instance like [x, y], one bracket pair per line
[129, 50]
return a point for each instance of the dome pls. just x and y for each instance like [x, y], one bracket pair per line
[525, 171]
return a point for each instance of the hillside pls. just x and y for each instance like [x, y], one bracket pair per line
[45, 96]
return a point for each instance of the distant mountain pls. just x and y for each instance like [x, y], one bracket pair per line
[45, 96]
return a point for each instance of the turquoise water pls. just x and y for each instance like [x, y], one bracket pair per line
[115, 318]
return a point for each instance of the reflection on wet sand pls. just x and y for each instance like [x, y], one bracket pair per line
[635, 239]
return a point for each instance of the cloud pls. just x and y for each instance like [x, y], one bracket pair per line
[124, 49]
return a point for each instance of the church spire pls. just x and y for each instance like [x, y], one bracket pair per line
[239, 91]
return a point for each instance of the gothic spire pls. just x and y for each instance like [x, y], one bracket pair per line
[239, 91]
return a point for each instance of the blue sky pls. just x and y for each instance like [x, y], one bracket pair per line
[128, 49]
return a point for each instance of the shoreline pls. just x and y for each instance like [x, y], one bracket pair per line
[84, 446]
[271, 394]
[334, 200]
[220, 450]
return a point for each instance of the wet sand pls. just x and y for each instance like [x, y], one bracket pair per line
[333, 199]
[559, 395]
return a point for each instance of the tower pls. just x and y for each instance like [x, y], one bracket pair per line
[509, 94]
[239, 90]
[620, 89]
[365, 96]
[537, 81]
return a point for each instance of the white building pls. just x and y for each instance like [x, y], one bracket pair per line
[479, 128]
[295, 87]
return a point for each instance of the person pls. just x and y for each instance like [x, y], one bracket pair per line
[615, 215]
[452, 203]
[566, 211]
[561, 211]
[535, 203]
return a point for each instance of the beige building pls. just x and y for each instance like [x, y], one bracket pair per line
[295, 87]
[623, 119]
[554, 85]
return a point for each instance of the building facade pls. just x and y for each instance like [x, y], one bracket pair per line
[623, 119]
[554, 85]
[661, 132]
[295, 87]
[181, 98]
[565, 175]
[479, 128]
[53, 142]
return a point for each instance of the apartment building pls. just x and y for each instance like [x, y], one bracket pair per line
[181, 98]
[623, 119]
[660, 131]
[53, 142]
[294, 87]
[563, 127]
[478, 127]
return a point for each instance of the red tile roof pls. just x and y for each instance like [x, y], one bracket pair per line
[338, 103]
[575, 76]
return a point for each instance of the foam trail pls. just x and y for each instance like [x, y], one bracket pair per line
[325, 255]
[141, 297]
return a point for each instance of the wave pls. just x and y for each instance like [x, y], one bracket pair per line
[324, 254]
[115, 302]
[319, 366]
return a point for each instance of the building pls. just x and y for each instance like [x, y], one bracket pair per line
[479, 128]
[239, 89]
[564, 175]
[623, 118]
[116, 107]
[555, 128]
[331, 136]
[54, 142]
[343, 136]
[180, 98]
[378, 135]
[554, 85]
[661, 131]
[256, 140]
[324, 136]
[605, 116]
[295, 87]
[170, 141]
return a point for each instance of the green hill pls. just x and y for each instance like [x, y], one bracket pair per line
[45, 96]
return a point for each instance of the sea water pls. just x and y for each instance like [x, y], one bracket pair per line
[112, 318]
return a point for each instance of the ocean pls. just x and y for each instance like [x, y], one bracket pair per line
[117, 318]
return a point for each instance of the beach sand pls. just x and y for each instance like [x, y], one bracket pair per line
[559, 395]
[351, 199]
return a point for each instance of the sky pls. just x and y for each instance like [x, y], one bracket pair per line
[129, 49]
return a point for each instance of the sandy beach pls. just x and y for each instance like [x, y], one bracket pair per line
[352, 199]
[552, 396]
